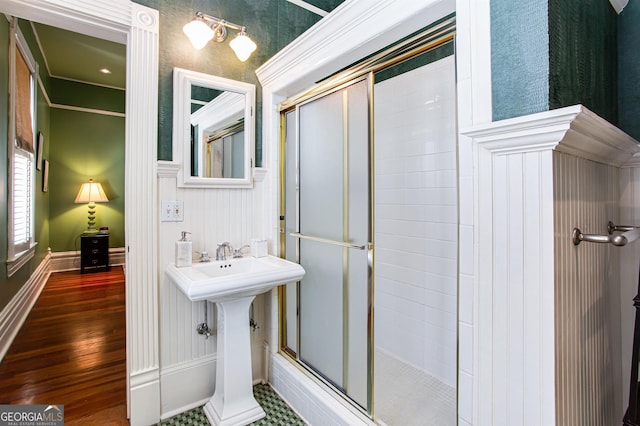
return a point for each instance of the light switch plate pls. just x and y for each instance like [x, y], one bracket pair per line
[171, 211]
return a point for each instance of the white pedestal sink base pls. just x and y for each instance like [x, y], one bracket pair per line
[232, 403]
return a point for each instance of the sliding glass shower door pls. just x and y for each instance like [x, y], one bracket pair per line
[328, 231]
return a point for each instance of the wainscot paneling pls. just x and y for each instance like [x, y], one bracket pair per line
[547, 335]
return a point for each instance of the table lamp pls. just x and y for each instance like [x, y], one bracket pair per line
[91, 192]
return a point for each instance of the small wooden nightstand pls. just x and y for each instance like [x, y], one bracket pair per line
[94, 252]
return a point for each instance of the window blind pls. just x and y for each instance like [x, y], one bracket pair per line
[22, 199]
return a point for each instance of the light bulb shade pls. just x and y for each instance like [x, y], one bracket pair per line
[243, 46]
[91, 192]
[199, 33]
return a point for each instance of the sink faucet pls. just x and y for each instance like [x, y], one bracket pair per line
[221, 253]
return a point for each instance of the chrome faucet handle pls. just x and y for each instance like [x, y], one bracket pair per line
[204, 257]
[237, 253]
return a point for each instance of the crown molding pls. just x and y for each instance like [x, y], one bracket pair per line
[574, 130]
[346, 35]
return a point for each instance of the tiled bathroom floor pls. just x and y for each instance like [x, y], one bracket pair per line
[408, 396]
[278, 412]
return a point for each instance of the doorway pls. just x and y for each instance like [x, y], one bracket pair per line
[137, 27]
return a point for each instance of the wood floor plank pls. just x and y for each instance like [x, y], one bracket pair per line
[71, 349]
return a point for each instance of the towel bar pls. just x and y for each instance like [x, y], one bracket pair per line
[630, 234]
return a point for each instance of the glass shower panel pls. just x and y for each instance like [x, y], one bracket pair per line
[321, 165]
[321, 310]
[334, 203]
[321, 205]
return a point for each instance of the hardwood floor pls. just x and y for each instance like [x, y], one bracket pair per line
[71, 350]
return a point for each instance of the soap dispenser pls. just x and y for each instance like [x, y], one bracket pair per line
[183, 251]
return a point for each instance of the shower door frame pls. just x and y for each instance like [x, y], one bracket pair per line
[434, 36]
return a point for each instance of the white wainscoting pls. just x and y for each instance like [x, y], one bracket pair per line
[546, 309]
[212, 216]
[587, 294]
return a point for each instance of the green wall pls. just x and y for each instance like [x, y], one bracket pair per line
[583, 56]
[85, 146]
[519, 57]
[547, 54]
[629, 69]
[272, 24]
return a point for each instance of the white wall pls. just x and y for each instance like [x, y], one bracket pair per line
[416, 235]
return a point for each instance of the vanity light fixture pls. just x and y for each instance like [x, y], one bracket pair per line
[91, 192]
[206, 27]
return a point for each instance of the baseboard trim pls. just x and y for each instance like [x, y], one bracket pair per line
[187, 385]
[144, 398]
[70, 260]
[16, 311]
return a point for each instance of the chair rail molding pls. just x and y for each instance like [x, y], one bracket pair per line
[137, 26]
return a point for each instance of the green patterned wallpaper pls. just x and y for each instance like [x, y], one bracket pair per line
[583, 56]
[629, 69]
[547, 54]
[519, 58]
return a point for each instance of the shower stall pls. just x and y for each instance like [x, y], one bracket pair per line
[369, 209]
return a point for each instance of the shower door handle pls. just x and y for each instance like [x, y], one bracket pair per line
[334, 242]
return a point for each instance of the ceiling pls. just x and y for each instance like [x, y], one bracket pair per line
[79, 57]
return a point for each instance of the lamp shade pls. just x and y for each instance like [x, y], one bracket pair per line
[199, 33]
[243, 46]
[91, 192]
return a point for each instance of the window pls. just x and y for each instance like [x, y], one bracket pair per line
[22, 71]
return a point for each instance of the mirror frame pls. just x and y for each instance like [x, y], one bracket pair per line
[182, 81]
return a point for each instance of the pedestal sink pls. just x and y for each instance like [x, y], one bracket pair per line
[233, 284]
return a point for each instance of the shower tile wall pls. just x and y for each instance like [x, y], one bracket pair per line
[416, 219]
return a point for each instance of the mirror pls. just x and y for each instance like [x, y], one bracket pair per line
[213, 130]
